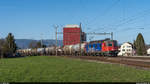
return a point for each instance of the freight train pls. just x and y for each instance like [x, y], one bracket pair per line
[105, 47]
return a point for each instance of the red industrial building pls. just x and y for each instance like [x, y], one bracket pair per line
[71, 35]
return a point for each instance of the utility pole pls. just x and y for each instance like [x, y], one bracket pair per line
[56, 26]
[80, 40]
[111, 35]
[41, 40]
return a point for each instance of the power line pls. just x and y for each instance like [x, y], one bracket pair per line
[129, 19]
[132, 18]
[92, 33]
[106, 11]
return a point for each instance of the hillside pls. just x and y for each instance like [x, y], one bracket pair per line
[24, 43]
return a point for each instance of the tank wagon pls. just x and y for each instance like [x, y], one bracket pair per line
[40, 51]
[50, 50]
[27, 52]
[67, 50]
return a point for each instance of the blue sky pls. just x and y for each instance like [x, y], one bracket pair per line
[28, 19]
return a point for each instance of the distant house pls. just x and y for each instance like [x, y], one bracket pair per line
[148, 51]
[126, 49]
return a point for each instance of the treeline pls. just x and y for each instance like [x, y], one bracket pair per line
[8, 46]
[35, 44]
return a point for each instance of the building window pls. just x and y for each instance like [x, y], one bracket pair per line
[123, 49]
[128, 46]
[128, 49]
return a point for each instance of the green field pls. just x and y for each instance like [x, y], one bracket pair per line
[60, 69]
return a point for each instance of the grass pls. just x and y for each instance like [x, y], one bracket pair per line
[60, 69]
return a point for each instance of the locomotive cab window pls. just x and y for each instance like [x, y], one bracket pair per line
[115, 43]
[110, 44]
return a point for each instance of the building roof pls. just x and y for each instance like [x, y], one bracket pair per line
[72, 26]
[129, 43]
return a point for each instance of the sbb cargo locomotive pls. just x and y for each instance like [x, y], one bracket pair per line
[93, 48]
[102, 48]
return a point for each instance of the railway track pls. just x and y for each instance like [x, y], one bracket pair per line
[140, 62]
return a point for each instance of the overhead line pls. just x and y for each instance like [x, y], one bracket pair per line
[134, 17]
[107, 9]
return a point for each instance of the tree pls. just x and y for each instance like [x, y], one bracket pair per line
[10, 46]
[140, 45]
[44, 46]
[35, 44]
[134, 44]
[39, 45]
[32, 44]
[1, 47]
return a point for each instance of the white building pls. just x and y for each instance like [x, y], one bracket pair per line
[148, 51]
[126, 49]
